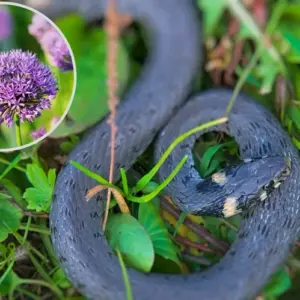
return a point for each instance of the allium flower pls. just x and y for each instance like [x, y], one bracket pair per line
[26, 86]
[38, 133]
[5, 23]
[39, 26]
[52, 43]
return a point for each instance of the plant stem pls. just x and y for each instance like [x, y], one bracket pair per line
[125, 276]
[14, 162]
[6, 162]
[18, 132]
[48, 245]
[56, 291]
[187, 242]
[35, 228]
[220, 245]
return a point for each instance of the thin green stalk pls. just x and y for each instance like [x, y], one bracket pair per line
[145, 180]
[240, 12]
[125, 276]
[259, 51]
[7, 162]
[57, 292]
[18, 131]
[35, 228]
[27, 229]
[29, 294]
[45, 275]
[48, 245]
[2, 278]
[12, 165]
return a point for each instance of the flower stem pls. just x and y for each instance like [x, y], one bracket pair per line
[18, 131]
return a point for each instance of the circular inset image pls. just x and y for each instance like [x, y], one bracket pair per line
[37, 76]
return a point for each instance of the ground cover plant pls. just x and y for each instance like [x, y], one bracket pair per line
[253, 46]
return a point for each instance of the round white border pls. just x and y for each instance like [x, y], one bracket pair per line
[9, 150]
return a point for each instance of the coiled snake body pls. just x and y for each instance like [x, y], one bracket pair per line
[268, 229]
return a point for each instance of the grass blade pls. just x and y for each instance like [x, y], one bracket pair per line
[150, 196]
[147, 178]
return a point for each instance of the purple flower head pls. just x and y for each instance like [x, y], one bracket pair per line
[5, 23]
[26, 86]
[39, 26]
[52, 43]
[36, 134]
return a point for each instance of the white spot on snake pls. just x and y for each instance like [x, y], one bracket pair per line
[219, 178]
[230, 207]
[263, 196]
[247, 160]
[277, 184]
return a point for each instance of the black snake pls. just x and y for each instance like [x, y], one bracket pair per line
[268, 229]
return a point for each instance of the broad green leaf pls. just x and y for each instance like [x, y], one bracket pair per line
[126, 234]
[9, 220]
[279, 284]
[163, 245]
[212, 11]
[39, 196]
[51, 177]
[37, 176]
[37, 199]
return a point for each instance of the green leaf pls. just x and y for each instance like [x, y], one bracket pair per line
[153, 194]
[124, 181]
[51, 177]
[60, 279]
[39, 197]
[68, 146]
[37, 176]
[294, 113]
[127, 235]
[10, 219]
[150, 218]
[267, 70]
[208, 156]
[89, 173]
[212, 11]
[279, 284]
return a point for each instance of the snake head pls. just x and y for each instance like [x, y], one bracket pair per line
[234, 189]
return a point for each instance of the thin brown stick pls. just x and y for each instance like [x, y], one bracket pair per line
[119, 198]
[196, 259]
[220, 245]
[113, 31]
[184, 241]
[27, 212]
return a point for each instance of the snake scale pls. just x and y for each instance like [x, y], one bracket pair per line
[268, 229]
